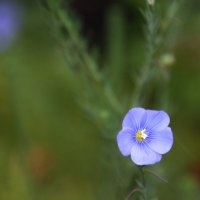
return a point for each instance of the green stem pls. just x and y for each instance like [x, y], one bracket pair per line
[151, 35]
[155, 175]
[144, 189]
[88, 65]
[134, 191]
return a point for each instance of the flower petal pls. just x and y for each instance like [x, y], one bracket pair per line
[133, 118]
[161, 142]
[125, 141]
[141, 154]
[155, 120]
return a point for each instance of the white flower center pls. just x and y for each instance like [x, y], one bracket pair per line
[141, 135]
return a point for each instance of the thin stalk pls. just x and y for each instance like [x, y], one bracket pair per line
[151, 36]
[156, 175]
[144, 189]
[87, 64]
[133, 192]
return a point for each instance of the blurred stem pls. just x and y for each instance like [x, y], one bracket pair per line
[144, 189]
[156, 35]
[134, 191]
[116, 47]
[77, 52]
[155, 175]
[151, 36]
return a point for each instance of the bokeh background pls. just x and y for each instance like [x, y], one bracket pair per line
[49, 147]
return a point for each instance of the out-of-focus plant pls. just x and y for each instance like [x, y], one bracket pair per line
[96, 86]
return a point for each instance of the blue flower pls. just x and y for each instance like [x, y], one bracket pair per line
[10, 22]
[145, 135]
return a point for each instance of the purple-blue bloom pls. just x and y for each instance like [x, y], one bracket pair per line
[10, 22]
[145, 135]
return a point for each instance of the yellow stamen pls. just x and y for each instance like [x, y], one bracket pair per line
[141, 135]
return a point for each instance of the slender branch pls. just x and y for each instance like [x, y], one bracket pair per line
[133, 192]
[156, 35]
[144, 189]
[156, 175]
[87, 64]
[151, 28]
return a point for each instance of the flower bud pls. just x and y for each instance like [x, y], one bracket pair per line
[167, 60]
[151, 2]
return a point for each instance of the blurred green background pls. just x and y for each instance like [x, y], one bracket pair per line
[49, 147]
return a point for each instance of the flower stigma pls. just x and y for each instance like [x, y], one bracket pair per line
[141, 135]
